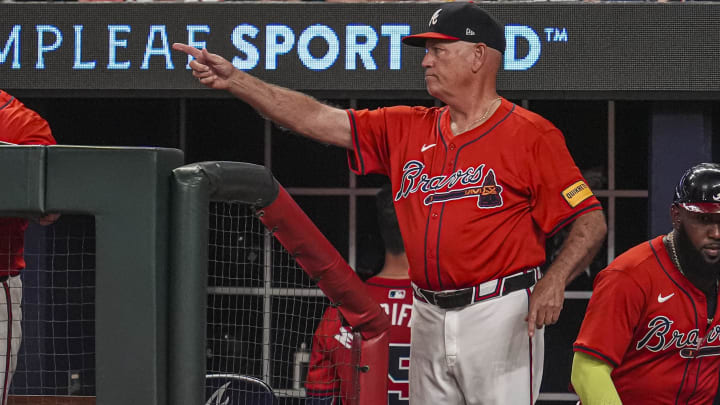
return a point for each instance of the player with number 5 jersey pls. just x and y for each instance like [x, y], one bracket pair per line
[330, 372]
[330, 361]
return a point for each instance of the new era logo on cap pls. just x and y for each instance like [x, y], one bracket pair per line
[457, 21]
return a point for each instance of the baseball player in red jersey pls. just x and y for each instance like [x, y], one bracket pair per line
[650, 333]
[21, 126]
[330, 360]
[478, 186]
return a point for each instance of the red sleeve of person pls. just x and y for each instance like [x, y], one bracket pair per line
[19, 125]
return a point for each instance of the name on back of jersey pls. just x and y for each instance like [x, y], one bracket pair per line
[399, 313]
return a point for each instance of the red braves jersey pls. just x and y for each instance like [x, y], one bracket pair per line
[476, 206]
[22, 126]
[330, 357]
[649, 323]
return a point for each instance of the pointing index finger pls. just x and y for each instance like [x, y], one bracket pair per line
[190, 50]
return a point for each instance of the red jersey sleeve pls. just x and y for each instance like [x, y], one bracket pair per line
[322, 379]
[613, 313]
[370, 144]
[560, 192]
[21, 125]
[378, 136]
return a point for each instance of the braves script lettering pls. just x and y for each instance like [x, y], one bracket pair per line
[415, 179]
[660, 336]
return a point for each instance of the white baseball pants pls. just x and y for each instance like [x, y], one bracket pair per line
[479, 354]
[10, 331]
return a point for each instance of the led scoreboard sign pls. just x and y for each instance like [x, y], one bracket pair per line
[567, 47]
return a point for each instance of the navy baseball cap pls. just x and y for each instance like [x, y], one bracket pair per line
[699, 189]
[461, 22]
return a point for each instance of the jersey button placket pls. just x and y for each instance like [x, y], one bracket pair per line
[434, 229]
[434, 216]
[452, 157]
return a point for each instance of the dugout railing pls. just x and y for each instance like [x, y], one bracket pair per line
[194, 188]
[127, 192]
[149, 283]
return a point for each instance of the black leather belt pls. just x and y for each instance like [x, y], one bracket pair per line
[466, 296]
[4, 278]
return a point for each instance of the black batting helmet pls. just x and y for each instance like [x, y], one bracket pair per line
[699, 189]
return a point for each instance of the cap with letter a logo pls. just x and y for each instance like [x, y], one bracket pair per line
[460, 21]
[699, 189]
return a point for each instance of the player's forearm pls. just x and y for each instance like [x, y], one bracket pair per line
[586, 236]
[293, 110]
[592, 381]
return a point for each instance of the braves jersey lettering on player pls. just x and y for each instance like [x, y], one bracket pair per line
[649, 323]
[329, 369]
[488, 194]
[471, 195]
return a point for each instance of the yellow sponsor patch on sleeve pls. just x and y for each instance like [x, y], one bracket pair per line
[577, 193]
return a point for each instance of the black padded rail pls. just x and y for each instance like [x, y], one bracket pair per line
[232, 181]
[193, 187]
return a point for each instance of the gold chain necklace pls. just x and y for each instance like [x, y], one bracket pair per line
[676, 260]
[492, 103]
[673, 252]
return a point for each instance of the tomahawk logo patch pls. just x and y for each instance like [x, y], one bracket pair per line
[488, 194]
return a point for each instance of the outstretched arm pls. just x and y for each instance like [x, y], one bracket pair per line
[586, 235]
[287, 108]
